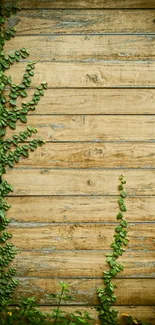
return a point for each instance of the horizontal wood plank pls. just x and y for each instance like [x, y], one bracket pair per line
[87, 4]
[83, 21]
[88, 75]
[87, 236]
[80, 182]
[91, 155]
[145, 313]
[79, 209]
[83, 263]
[97, 128]
[86, 48]
[95, 101]
[129, 291]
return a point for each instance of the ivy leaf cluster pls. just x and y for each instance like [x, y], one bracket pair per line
[107, 314]
[17, 146]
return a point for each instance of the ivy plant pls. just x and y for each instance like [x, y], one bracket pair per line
[12, 149]
[107, 314]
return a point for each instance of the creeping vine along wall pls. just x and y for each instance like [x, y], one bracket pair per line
[12, 149]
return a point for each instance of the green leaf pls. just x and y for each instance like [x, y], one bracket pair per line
[12, 125]
[124, 223]
[23, 118]
[23, 94]
[31, 73]
[41, 92]
[12, 102]
[120, 215]
[13, 95]
[25, 153]
[11, 164]
[21, 86]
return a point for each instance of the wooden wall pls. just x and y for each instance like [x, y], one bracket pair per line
[97, 117]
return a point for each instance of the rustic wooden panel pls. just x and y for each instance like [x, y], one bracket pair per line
[92, 128]
[83, 263]
[84, 21]
[129, 292]
[78, 236]
[92, 155]
[87, 4]
[86, 48]
[79, 209]
[95, 101]
[145, 313]
[103, 74]
[80, 182]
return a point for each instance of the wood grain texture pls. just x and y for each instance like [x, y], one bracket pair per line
[97, 128]
[95, 101]
[90, 75]
[91, 155]
[129, 291]
[145, 313]
[83, 263]
[80, 182]
[84, 22]
[79, 209]
[87, 4]
[89, 236]
[86, 48]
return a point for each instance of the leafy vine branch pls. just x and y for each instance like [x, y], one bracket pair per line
[12, 149]
[108, 315]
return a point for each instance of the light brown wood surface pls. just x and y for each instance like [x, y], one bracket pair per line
[87, 4]
[84, 22]
[98, 128]
[86, 48]
[89, 236]
[91, 155]
[78, 209]
[70, 264]
[95, 101]
[96, 75]
[129, 291]
[80, 182]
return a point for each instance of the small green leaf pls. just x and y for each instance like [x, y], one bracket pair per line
[23, 118]
[12, 125]
[12, 102]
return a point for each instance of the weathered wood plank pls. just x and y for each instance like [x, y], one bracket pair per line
[83, 263]
[86, 48]
[83, 21]
[80, 182]
[95, 101]
[103, 74]
[87, 236]
[130, 292]
[97, 128]
[87, 4]
[79, 209]
[145, 313]
[91, 155]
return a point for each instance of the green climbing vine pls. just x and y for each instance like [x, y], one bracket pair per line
[107, 314]
[14, 147]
